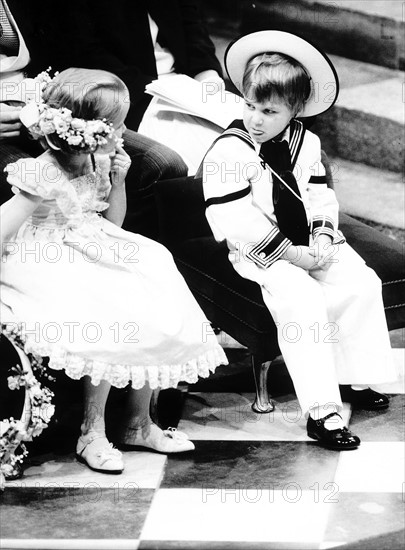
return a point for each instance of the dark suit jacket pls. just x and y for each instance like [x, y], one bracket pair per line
[52, 31]
[115, 36]
[123, 44]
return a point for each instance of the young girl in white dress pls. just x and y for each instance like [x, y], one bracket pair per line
[102, 303]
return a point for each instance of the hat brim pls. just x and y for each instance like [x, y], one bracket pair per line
[324, 79]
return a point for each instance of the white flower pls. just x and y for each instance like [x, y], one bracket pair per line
[60, 124]
[30, 379]
[46, 412]
[35, 390]
[47, 127]
[74, 140]
[49, 112]
[78, 124]
[14, 382]
[98, 127]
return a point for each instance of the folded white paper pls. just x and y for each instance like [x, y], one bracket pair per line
[207, 100]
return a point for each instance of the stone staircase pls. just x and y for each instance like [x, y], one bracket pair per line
[363, 133]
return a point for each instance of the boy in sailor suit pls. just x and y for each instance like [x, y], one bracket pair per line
[266, 194]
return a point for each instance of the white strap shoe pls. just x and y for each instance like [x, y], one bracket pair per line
[94, 450]
[162, 441]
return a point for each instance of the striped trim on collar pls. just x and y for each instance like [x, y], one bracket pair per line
[237, 132]
[296, 138]
[297, 132]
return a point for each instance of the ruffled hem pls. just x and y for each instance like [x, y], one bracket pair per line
[119, 375]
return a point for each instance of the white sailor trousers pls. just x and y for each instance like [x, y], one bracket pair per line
[331, 325]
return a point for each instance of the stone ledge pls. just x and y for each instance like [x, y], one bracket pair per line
[367, 31]
[369, 193]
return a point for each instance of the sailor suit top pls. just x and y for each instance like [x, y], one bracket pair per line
[238, 190]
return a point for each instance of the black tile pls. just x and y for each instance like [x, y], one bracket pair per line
[387, 541]
[89, 513]
[251, 464]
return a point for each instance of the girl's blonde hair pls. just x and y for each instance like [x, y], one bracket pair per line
[275, 76]
[90, 94]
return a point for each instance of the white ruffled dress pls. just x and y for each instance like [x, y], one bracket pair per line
[95, 299]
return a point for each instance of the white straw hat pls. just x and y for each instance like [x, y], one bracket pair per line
[324, 79]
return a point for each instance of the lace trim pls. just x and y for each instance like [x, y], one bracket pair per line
[119, 375]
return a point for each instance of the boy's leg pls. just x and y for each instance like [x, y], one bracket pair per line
[297, 305]
[355, 308]
[151, 161]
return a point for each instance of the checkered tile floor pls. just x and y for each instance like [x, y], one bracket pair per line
[254, 481]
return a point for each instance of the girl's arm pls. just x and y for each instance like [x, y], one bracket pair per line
[13, 214]
[120, 163]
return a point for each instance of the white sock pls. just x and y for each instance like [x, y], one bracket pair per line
[333, 423]
[359, 387]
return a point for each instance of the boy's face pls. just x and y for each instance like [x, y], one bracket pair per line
[265, 120]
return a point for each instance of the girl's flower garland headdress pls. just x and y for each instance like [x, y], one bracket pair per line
[43, 120]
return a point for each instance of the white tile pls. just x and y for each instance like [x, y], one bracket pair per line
[229, 417]
[236, 515]
[373, 467]
[143, 470]
[398, 386]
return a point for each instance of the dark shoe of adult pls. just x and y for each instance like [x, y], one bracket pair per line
[368, 400]
[338, 440]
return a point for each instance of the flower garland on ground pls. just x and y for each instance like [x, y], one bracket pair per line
[38, 410]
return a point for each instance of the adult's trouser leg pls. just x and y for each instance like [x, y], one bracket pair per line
[151, 161]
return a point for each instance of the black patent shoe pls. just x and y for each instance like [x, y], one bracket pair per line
[339, 440]
[368, 400]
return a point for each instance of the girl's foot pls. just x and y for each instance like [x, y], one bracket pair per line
[94, 450]
[153, 438]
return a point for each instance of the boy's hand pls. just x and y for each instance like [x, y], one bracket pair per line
[323, 252]
[301, 256]
[120, 163]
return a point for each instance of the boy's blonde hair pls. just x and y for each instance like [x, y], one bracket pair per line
[90, 94]
[275, 76]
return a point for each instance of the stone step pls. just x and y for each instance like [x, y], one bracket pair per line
[366, 123]
[367, 30]
[369, 193]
